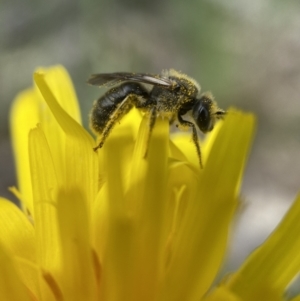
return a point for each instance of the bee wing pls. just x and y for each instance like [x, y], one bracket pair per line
[111, 79]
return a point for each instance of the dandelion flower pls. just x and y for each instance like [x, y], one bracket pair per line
[114, 226]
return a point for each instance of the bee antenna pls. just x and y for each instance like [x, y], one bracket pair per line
[220, 113]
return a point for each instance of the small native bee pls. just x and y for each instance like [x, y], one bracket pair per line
[173, 96]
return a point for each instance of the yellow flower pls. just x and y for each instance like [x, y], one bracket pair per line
[113, 226]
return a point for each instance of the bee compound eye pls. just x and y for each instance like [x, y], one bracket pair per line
[201, 115]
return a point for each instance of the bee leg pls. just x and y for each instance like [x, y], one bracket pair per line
[194, 137]
[123, 108]
[152, 119]
[105, 134]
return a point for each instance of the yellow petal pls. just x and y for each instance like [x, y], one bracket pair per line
[24, 116]
[66, 122]
[129, 125]
[11, 287]
[61, 86]
[229, 152]
[16, 232]
[81, 164]
[33, 279]
[115, 159]
[78, 281]
[271, 268]
[149, 242]
[201, 242]
[29, 108]
[45, 185]
[222, 294]
[178, 147]
[182, 191]
[131, 259]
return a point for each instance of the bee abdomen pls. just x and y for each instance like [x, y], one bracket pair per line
[107, 105]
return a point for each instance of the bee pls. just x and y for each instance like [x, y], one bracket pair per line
[173, 95]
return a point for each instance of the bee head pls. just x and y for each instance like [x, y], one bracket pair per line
[206, 112]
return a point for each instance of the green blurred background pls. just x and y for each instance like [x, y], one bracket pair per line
[245, 52]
